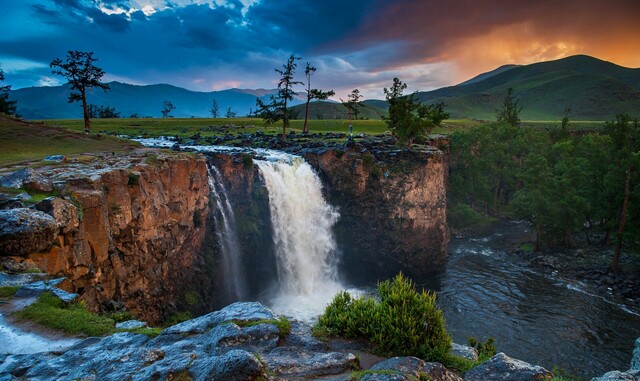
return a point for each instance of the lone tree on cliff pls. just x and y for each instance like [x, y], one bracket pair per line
[408, 118]
[312, 94]
[6, 106]
[81, 74]
[509, 111]
[276, 109]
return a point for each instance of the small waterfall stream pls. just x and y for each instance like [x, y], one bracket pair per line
[226, 230]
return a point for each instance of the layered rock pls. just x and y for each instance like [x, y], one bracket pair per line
[127, 230]
[392, 205]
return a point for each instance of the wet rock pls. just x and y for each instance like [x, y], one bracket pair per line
[291, 361]
[36, 288]
[27, 178]
[464, 351]
[300, 336]
[64, 212]
[131, 324]
[236, 365]
[23, 231]
[504, 368]
[635, 359]
[226, 337]
[615, 376]
[242, 311]
[407, 368]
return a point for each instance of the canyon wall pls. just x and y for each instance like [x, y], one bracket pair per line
[129, 231]
[392, 204]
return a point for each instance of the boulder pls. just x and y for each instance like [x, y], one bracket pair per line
[131, 324]
[615, 375]
[242, 311]
[464, 351]
[504, 368]
[635, 359]
[27, 178]
[409, 368]
[24, 231]
[292, 362]
[236, 365]
[36, 288]
[437, 372]
[64, 212]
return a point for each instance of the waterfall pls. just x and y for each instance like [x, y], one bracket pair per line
[226, 230]
[302, 234]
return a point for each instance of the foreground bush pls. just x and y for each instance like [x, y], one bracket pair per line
[404, 322]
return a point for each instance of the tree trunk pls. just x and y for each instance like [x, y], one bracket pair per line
[306, 117]
[496, 197]
[538, 237]
[85, 111]
[285, 120]
[615, 263]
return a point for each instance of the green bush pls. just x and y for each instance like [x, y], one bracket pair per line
[404, 322]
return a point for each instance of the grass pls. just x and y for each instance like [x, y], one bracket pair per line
[358, 374]
[22, 142]
[8, 291]
[283, 324]
[149, 331]
[72, 317]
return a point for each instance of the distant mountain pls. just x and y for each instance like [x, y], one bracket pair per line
[51, 102]
[594, 89]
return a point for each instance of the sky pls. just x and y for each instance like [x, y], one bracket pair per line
[208, 45]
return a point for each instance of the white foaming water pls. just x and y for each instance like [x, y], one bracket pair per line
[225, 228]
[302, 233]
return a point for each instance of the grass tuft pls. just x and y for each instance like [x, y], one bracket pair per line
[8, 291]
[72, 317]
[283, 324]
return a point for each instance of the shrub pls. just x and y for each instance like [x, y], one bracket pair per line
[462, 215]
[247, 160]
[404, 322]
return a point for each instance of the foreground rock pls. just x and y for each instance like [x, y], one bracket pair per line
[504, 368]
[633, 374]
[210, 347]
[23, 231]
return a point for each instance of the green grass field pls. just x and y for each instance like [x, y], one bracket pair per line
[186, 127]
[22, 141]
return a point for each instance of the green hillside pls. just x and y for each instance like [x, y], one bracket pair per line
[335, 110]
[594, 89]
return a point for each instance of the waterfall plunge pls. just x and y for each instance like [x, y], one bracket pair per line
[226, 229]
[302, 233]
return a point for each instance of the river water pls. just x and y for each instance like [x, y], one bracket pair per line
[534, 317]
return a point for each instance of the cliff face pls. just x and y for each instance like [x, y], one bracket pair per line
[393, 209]
[135, 232]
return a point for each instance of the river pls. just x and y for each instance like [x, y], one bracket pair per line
[535, 317]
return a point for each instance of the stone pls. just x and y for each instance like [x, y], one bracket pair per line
[28, 179]
[464, 351]
[236, 365]
[36, 288]
[437, 372]
[504, 368]
[635, 359]
[131, 324]
[23, 231]
[292, 362]
[56, 158]
[615, 375]
[64, 212]
[242, 311]
[300, 336]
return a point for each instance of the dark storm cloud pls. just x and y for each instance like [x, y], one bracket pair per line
[360, 43]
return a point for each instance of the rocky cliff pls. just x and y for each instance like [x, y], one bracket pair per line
[392, 205]
[127, 230]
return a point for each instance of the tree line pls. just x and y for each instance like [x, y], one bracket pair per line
[563, 182]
